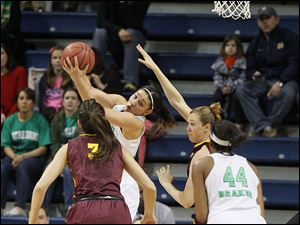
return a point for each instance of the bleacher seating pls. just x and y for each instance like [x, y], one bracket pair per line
[279, 150]
[185, 65]
[278, 194]
[159, 25]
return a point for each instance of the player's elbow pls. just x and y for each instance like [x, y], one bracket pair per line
[151, 189]
[39, 189]
[200, 219]
[187, 205]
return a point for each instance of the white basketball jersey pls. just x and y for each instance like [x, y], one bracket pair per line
[129, 187]
[232, 191]
[133, 144]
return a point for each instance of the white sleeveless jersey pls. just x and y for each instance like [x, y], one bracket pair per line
[129, 187]
[232, 191]
[133, 144]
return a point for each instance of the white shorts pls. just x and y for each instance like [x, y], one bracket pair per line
[130, 191]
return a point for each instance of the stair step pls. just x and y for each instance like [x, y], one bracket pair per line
[186, 47]
[267, 172]
[287, 130]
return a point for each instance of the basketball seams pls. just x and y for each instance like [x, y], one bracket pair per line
[84, 53]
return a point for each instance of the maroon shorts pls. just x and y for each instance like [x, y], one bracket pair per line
[99, 212]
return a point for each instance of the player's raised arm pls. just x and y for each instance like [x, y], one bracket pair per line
[85, 89]
[173, 95]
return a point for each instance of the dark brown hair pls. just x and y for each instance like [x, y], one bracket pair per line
[70, 88]
[227, 131]
[29, 92]
[239, 45]
[157, 99]
[50, 72]
[160, 115]
[11, 61]
[93, 121]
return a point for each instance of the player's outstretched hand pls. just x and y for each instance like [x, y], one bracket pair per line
[74, 70]
[147, 59]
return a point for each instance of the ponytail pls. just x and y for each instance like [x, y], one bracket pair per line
[92, 120]
[162, 120]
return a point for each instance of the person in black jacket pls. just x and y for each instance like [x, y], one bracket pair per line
[120, 29]
[272, 73]
[10, 29]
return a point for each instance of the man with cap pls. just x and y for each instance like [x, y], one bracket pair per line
[272, 74]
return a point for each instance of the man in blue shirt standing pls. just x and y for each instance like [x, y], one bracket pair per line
[272, 74]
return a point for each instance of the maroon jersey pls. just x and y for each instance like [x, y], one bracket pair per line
[94, 179]
[91, 177]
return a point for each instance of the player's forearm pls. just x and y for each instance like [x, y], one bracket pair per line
[83, 86]
[176, 194]
[149, 199]
[170, 91]
[87, 91]
[36, 202]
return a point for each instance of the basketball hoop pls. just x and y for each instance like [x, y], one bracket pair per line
[234, 9]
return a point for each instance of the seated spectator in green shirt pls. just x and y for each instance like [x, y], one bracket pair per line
[24, 138]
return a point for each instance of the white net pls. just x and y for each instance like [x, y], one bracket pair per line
[234, 9]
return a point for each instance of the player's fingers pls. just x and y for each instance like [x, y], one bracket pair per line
[86, 68]
[168, 167]
[157, 172]
[141, 50]
[76, 61]
[142, 61]
[69, 63]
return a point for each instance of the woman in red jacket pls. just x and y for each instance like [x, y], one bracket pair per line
[13, 79]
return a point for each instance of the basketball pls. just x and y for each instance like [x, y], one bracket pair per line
[84, 53]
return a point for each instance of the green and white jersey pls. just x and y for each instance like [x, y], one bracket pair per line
[71, 127]
[232, 191]
[25, 136]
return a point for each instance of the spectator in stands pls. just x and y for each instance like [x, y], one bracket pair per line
[227, 188]
[24, 138]
[52, 85]
[119, 29]
[10, 28]
[64, 127]
[200, 121]
[13, 79]
[163, 213]
[107, 80]
[229, 73]
[43, 216]
[272, 70]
